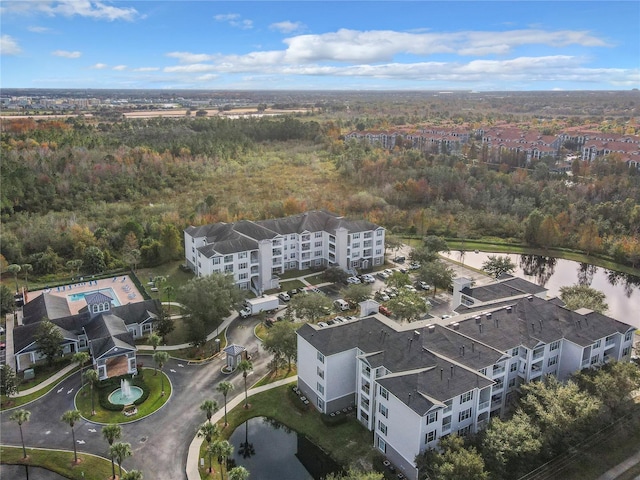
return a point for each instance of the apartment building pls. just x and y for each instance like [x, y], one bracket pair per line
[412, 384]
[256, 253]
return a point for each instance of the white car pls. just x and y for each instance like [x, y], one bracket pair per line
[353, 280]
[284, 296]
[383, 296]
[366, 278]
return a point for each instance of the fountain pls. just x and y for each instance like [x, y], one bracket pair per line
[126, 394]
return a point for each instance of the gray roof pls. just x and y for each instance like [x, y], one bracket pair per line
[533, 320]
[45, 305]
[107, 331]
[97, 297]
[505, 288]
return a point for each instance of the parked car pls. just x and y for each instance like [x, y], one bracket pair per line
[341, 304]
[340, 320]
[383, 275]
[424, 286]
[353, 280]
[399, 259]
[382, 296]
[411, 288]
[367, 278]
[284, 296]
[384, 310]
[323, 324]
[292, 292]
[414, 266]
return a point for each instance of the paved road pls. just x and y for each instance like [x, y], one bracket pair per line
[15, 472]
[160, 442]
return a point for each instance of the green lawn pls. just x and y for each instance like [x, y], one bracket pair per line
[89, 468]
[150, 405]
[12, 402]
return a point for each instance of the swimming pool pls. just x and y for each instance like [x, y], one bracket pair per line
[74, 297]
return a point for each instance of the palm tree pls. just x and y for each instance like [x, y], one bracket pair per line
[15, 269]
[120, 451]
[81, 358]
[26, 268]
[209, 407]
[224, 388]
[245, 366]
[133, 475]
[221, 449]
[71, 417]
[208, 431]
[161, 358]
[111, 433]
[92, 380]
[21, 416]
[238, 473]
[154, 340]
[169, 289]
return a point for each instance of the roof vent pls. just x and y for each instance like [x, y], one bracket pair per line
[456, 326]
[530, 298]
[488, 315]
[508, 309]
[416, 333]
[478, 319]
[432, 328]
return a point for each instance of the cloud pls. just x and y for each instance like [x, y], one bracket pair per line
[234, 20]
[287, 26]
[8, 46]
[66, 54]
[99, 66]
[120, 67]
[37, 29]
[187, 57]
[194, 68]
[146, 69]
[70, 8]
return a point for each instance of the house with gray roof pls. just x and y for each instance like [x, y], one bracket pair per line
[414, 383]
[257, 252]
[107, 332]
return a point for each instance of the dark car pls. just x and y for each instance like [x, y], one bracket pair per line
[399, 259]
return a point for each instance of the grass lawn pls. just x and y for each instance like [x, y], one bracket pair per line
[208, 350]
[150, 405]
[291, 284]
[349, 443]
[175, 276]
[89, 468]
[12, 402]
[274, 376]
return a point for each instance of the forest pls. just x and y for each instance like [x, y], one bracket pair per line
[116, 193]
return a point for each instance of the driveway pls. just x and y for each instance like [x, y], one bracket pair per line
[159, 442]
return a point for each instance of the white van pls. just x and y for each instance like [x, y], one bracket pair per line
[341, 305]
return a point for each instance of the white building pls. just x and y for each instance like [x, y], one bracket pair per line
[257, 252]
[413, 384]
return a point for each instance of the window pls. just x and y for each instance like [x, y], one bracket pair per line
[514, 352]
[626, 351]
[318, 244]
[228, 258]
[465, 397]
[627, 337]
[430, 437]
[320, 357]
[243, 265]
[384, 393]
[216, 260]
[595, 359]
[320, 388]
[243, 276]
[356, 245]
[513, 367]
[382, 427]
[597, 344]
[318, 235]
[378, 233]
[378, 251]
[554, 346]
[512, 383]
[320, 372]
[463, 432]
[432, 417]
[552, 361]
[355, 236]
[384, 411]
[320, 404]
[242, 255]
[462, 416]
[382, 445]
[317, 253]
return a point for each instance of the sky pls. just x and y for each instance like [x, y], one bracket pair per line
[328, 45]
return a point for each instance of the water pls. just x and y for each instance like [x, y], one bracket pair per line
[74, 297]
[622, 290]
[275, 451]
[126, 394]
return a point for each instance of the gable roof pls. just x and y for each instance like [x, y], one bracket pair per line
[45, 306]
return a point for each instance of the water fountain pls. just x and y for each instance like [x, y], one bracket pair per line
[126, 394]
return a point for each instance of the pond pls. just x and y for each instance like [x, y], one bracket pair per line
[622, 290]
[271, 450]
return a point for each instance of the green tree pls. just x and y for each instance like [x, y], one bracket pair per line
[238, 473]
[353, 474]
[74, 266]
[408, 306]
[164, 325]
[437, 274]
[21, 416]
[160, 358]
[9, 381]
[91, 376]
[7, 300]
[311, 306]
[14, 268]
[168, 291]
[120, 451]
[26, 268]
[133, 475]
[281, 341]
[94, 260]
[111, 433]
[209, 407]
[398, 280]
[171, 240]
[208, 431]
[497, 265]
[453, 462]
[335, 275]
[245, 366]
[583, 296]
[392, 243]
[48, 340]
[532, 227]
[81, 358]
[433, 243]
[222, 449]
[356, 293]
[224, 388]
[154, 340]
[71, 417]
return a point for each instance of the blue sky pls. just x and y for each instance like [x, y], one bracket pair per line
[333, 45]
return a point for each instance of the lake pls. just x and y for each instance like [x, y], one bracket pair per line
[270, 450]
[622, 290]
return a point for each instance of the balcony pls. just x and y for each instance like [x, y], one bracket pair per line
[585, 363]
[366, 388]
[498, 370]
[538, 354]
[484, 405]
[446, 427]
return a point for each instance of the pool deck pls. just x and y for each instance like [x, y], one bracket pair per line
[124, 289]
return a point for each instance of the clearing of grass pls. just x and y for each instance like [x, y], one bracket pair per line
[89, 467]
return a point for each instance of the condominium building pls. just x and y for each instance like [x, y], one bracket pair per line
[256, 253]
[415, 383]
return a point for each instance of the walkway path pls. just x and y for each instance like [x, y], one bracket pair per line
[193, 456]
[622, 467]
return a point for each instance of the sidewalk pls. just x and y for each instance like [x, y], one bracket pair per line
[193, 457]
[52, 379]
[622, 467]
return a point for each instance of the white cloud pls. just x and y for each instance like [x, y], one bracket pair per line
[194, 68]
[146, 69]
[99, 66]
[66, 54]
[234, 20]
[69, 8]
[187, 57]
[120, 67]
[207, 77]
[9, 46]
[287, 26]
[37, 29]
